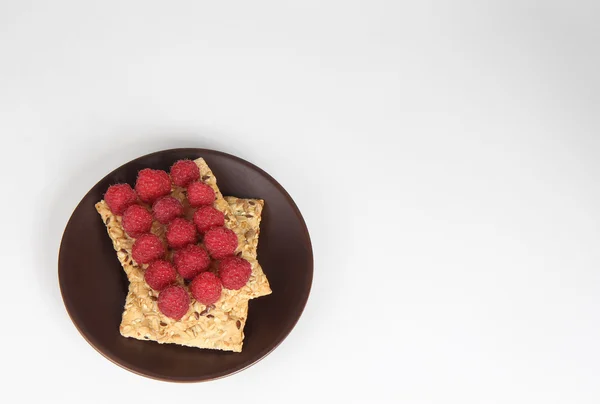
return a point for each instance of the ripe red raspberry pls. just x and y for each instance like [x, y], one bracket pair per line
[160, 274]
[119, 197]
[234, 272]
[208, 217]
[220, 242]
[191, 260]
[166, 209]
[137, 220]
[147, 248]
[183, 172]
[206, 288]
[199, 194]
[180, 233]
[152, 184]
[174, 302]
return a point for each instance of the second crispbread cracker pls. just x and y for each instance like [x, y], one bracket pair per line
[219, 326]
[258, 285]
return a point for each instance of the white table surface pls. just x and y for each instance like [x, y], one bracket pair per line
[444, 156]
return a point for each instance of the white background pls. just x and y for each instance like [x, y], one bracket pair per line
[444, 155]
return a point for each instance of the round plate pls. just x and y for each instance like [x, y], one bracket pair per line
[94, 286]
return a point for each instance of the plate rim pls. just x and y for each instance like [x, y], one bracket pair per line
[67, 303]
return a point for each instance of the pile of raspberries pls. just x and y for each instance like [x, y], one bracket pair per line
[191, 260]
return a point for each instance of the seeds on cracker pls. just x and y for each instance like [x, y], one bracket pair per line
[216, 326]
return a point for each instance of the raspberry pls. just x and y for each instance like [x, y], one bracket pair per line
[180, 233]
[220, 242]
[191, 260]
[160, 274]
[137, 220]
[183, 172]
[174, 302]
[199, 194]
[147, 248]
[152, 184]
[166, 209]
[208, 217]
[119, 197]
[234, 272]
[206, 288]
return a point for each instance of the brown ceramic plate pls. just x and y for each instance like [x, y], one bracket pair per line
[94, 286]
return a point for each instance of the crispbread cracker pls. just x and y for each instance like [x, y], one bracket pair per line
[258, 285]
[219, 326]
